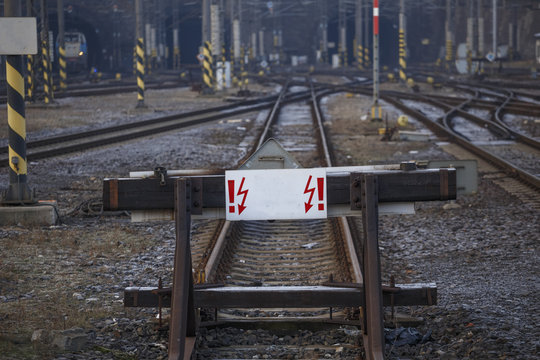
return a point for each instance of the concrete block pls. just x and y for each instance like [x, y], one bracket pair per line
[34, 215]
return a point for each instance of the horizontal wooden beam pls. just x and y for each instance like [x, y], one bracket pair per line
[394, 186]
[284, 296]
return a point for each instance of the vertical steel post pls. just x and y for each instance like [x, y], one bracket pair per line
[366, 37]
[481, 32]
[61, 45]
[215, 41]
[30, 79]
[182, 322]
[374, 341]
[47, 78]
[470, 37]
[342, 26]
[402, 43]
[176, 33]
[449, 36]
[18, 191]
[208, 72]
[323, 29]
[359, 35]
[205, 21]
[376, 111]
[494, 29]
[139, 53]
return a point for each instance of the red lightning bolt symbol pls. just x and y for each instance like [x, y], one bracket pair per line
[307, 205]
[241, 206]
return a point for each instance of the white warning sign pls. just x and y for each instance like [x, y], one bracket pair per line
[275, 194]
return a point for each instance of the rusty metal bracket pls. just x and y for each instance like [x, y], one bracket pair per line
[161, 173]
[196, 196]
[356, 191]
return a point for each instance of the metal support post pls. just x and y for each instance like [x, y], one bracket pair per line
[183, 322]
[374, 331]
[366, 38]
[61, 45]
[140, 72]
[205, 21]
[30, 76]
[175, 33]
[208, 72]
[402, 45]
[494, 29]
[481, 32]
[18, 191]
[342, 19]
[139, 53]
[47, 78]
[449, 36]
[359, 37]
[323, 28]
[376, 111]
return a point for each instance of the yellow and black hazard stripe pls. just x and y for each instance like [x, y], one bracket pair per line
[62, 64]
[360, 56]
[16, 120]
[208, 72]
[366, 56]
[402, 55]
[449, 53]
[30, 77]
[140, 71]
[47, 89]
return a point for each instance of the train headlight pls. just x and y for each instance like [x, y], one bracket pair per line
[81, 53]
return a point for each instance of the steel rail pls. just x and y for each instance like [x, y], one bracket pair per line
[440, 130]
[107, 89]
[498, 117]
[153, 126]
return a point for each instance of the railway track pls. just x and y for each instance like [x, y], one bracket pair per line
[60, 145]
[512, 153]
[300, 256]
[100, 89]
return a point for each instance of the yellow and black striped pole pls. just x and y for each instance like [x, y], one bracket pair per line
[402, 62]
[208, 73]
[30, 77]
[140, 72]
[18, 191]
[360, 56]
[62, 65]
[449, 53]
[47, 89]
[366, 56]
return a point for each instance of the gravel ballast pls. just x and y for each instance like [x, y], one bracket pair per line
[482, 252]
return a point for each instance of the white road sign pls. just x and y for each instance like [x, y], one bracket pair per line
[275, 194]
[18, 36]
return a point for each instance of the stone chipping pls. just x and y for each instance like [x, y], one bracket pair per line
[482, 253]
